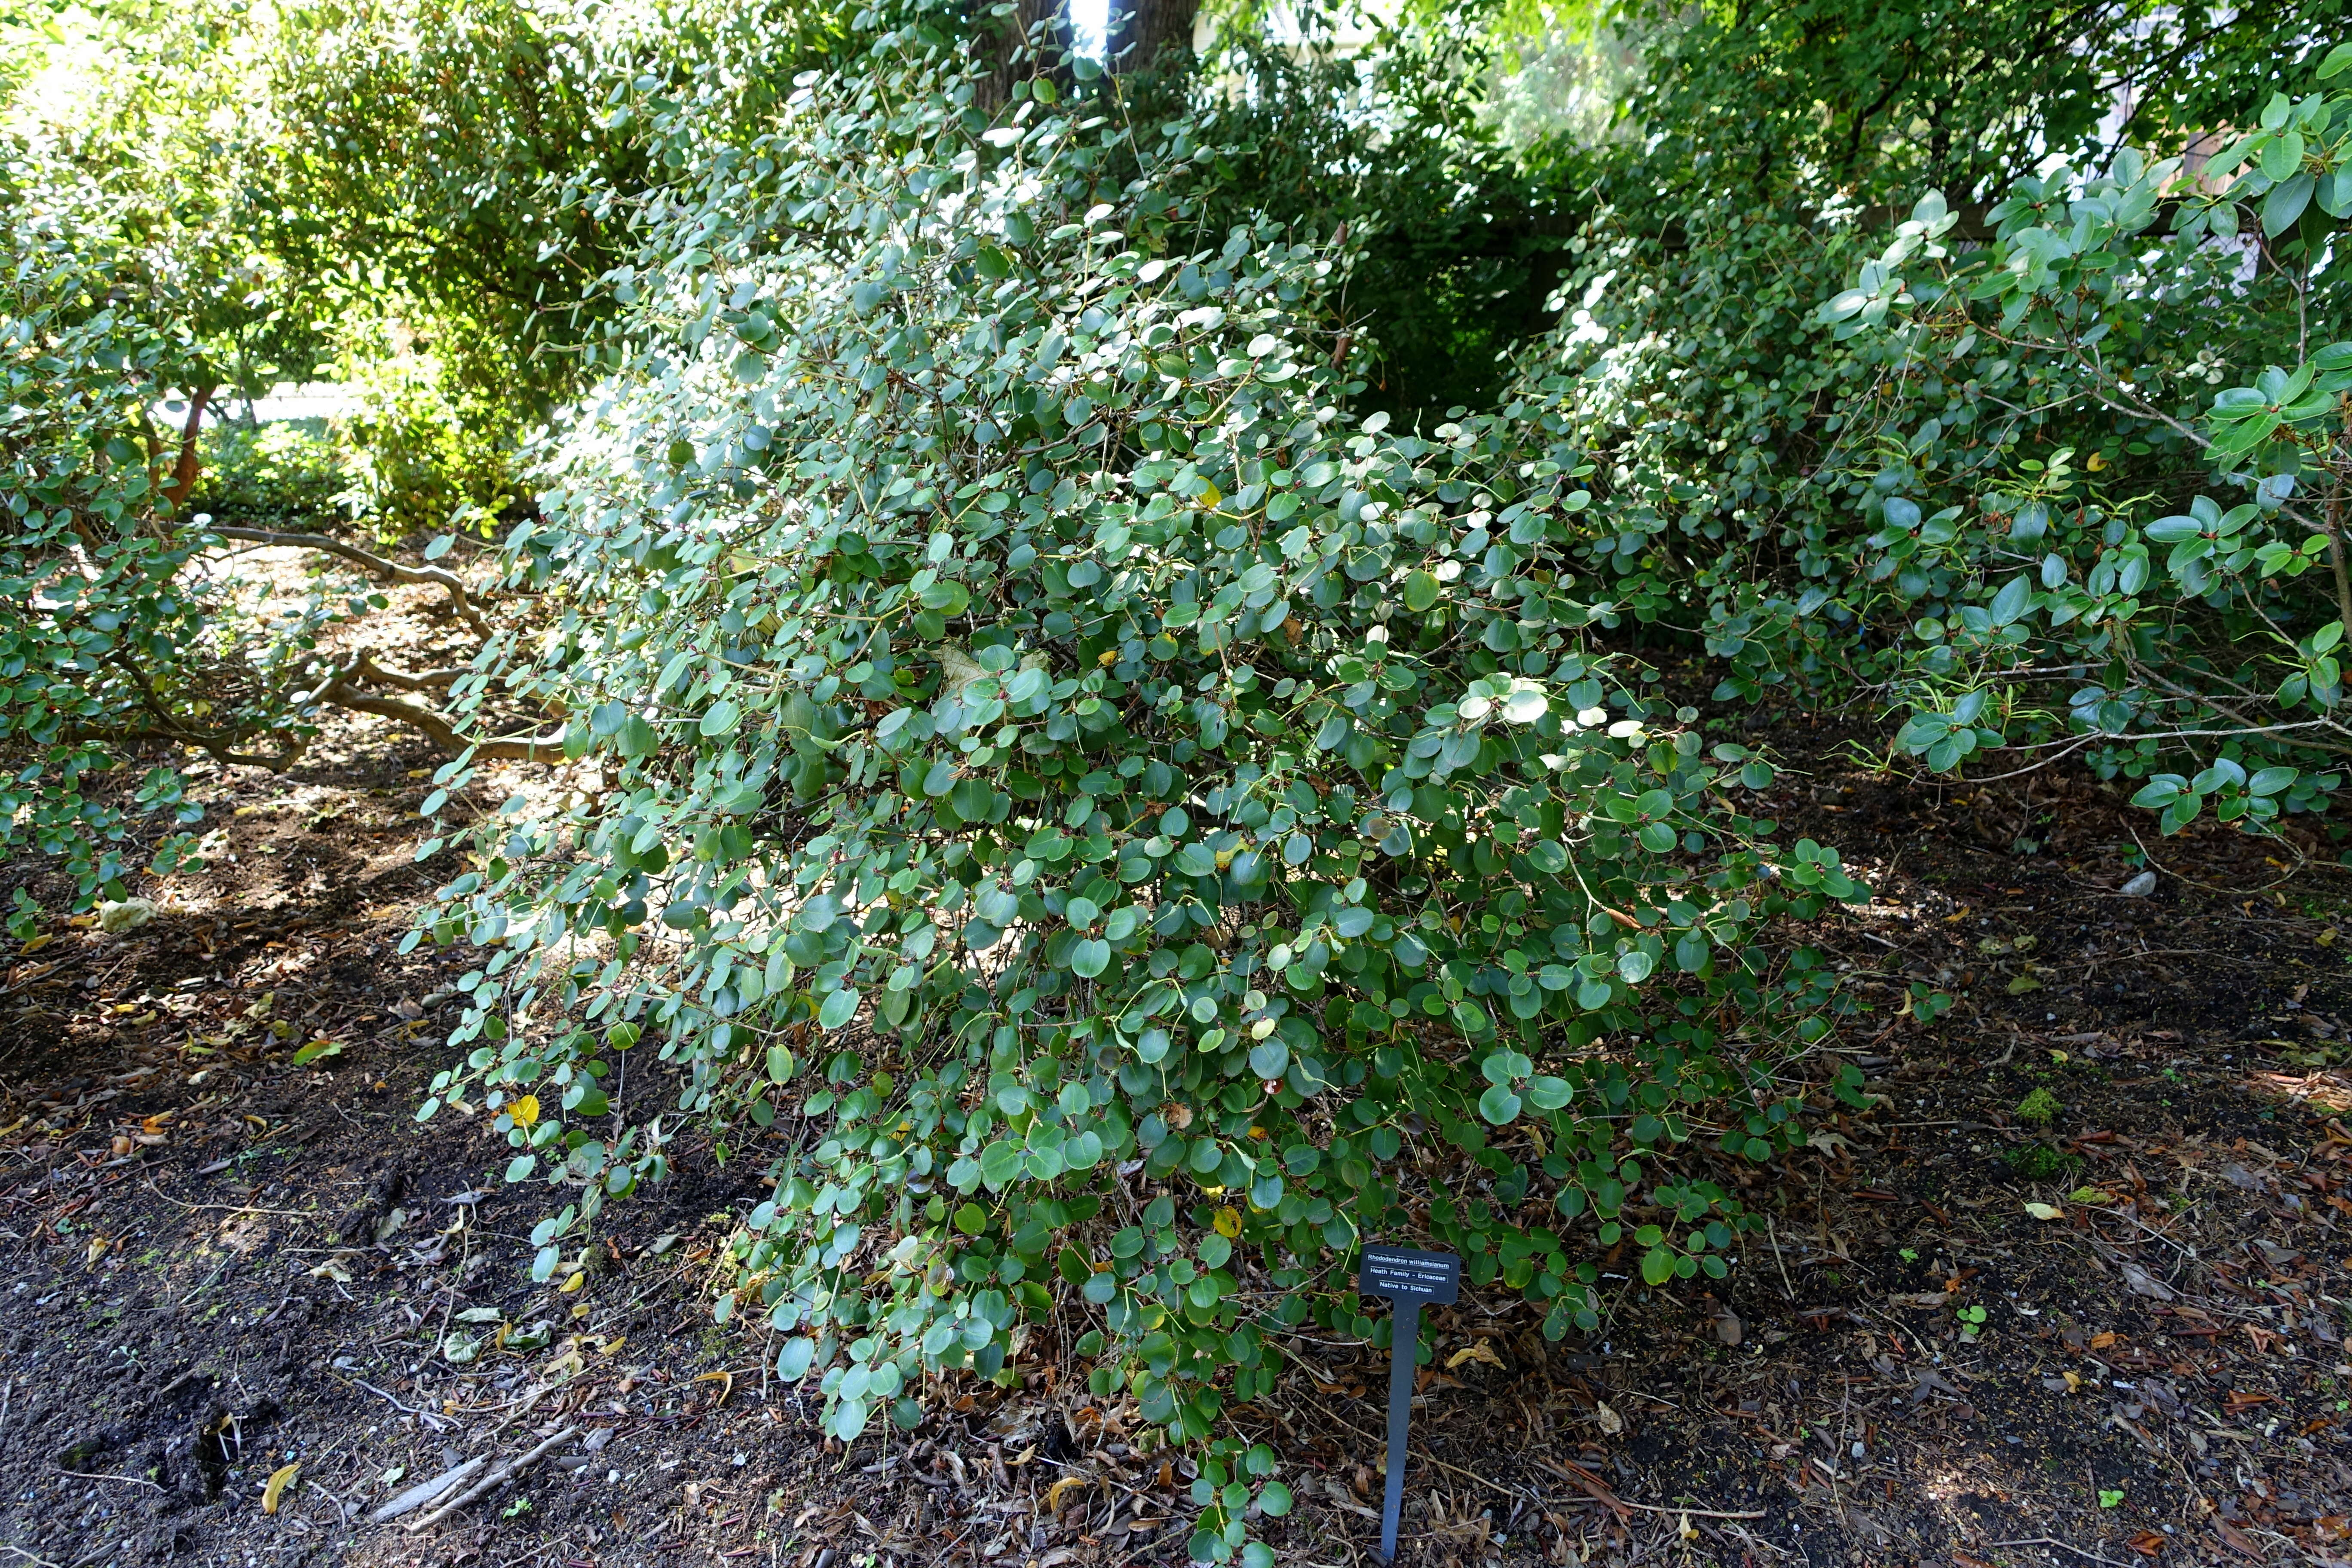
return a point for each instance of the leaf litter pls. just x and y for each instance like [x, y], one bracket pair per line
[2115, 1332]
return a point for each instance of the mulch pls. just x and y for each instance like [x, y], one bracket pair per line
[220, 1262]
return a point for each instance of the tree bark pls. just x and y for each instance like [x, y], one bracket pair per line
[190, 462]
[1009, 60]
[1151, 34]
[459, 601]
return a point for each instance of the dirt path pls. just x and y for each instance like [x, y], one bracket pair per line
[220, 1263]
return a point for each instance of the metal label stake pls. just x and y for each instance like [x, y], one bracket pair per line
[1408, 1279]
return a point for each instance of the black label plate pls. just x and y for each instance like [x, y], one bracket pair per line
[1407, 1274]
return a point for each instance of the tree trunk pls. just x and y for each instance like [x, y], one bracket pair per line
[1143, 31]
[1012, 39]
[189, 464]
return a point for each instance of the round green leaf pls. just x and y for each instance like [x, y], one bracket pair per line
[1498, 1105]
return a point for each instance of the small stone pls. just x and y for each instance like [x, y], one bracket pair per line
[117, 916]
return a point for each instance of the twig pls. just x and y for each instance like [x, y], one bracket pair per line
[495, 1478]
[1426, 1454]
[2208, 886]
[92, 1475]
[1585, 1478]
[432, 1418]
[1511, 1492]
[443, 733]
[2050, 1540]
[2037, 767]
[1786, 1288]
[225, 1208]
[375, 563]
[424, 1492]
[2188, 1252]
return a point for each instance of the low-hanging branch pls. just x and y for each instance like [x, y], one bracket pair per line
[341, 690]
[342, 685]
[458, 599]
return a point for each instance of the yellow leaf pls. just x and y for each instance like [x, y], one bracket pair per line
[1061, 1489]
[1209, 497]
[524, 1110]
[280, 1480]
[573, 1283]
[2074, 1381]
[2045, 1210]
[1229, 1221]
[1483, 1351]
[2098, 460]
[38, 942]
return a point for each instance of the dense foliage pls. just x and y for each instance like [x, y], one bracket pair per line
[1935, 474]
[427, 170]
[77, 574]
[203, 201]
[128, 639]
[1108, 632]
[1817, 97]
[1213, 807]
[1457, 240]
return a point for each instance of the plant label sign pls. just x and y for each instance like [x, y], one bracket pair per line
[1408, 1278]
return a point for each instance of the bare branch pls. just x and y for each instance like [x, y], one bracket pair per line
[214, 745]
[442, 729]
[459, 600]
[167, 727]
[366, 668]
[189, 463]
